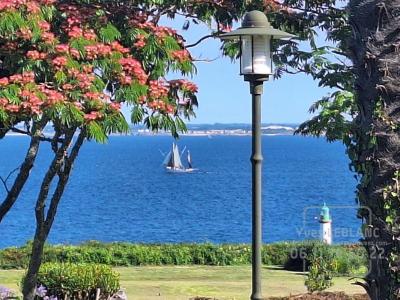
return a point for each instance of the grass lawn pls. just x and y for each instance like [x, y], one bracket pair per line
[183, 282]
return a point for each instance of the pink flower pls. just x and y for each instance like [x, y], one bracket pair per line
[75, 32]
[12, 108]
[3, 102]
[16, 78]
[78, 105]
[34, 55]
[4, 81]
[33, 7]
[126, 80]
[93, 95]
[48, 37]
[90, 35]
[62, 48]
[94, 115]
[119, 48]
[181, 55]
[43, 25]
[26, 33]
[115, 106]
[75, 53]
[60, 61]
[67, 87]
[28, 77]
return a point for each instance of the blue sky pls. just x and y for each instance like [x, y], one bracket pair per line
[224, 96]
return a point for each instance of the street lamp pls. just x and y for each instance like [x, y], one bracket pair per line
[256, 65]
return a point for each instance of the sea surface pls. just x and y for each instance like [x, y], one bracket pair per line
[120, 191]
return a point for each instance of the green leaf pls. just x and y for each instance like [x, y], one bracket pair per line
[137, 114]
[60, 77]
[96, 132]
[109, 33]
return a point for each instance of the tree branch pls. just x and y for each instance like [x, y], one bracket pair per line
[202, 39]
[41, 137]
[320, 12]
[52, 171]
[161, 12]
[207, 60]
[63, 179]
[4, 181]
[24, 170]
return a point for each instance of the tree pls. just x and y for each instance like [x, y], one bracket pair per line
[373, 48]
[371, 135]
[70, 66]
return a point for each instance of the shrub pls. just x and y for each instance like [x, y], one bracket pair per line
[321, 268]
[291, 255]
[348, 259]
[349, 262]
[14, 258]
[76, 281]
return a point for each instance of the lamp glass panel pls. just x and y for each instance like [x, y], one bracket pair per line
[256, 55]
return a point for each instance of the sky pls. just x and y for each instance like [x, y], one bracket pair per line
[224, 97]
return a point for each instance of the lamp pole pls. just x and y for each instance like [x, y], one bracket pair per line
[256, 160]
[256, 65]
[256, 90]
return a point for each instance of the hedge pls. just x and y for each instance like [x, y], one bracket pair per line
[292, 255]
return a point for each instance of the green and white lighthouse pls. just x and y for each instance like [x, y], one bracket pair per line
[326, 225]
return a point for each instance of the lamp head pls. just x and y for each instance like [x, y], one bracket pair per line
[255, 36]
[255, 23]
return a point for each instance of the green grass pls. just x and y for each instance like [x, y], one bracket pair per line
[183, 282]
[11, 278]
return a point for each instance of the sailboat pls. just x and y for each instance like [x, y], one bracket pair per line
[173, 162]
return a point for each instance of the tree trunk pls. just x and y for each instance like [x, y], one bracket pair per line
[374, 46]
[30, 281]
[61, 167]
[24, 170]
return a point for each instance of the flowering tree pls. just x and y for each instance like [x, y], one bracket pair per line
[71, 65]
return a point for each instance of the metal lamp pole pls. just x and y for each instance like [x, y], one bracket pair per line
[256, 89]
[255, 36]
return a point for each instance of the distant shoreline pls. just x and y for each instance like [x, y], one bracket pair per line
[204, 130]
[168, 134]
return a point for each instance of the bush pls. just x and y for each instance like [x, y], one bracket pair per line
[349, 262]
[348, 259]
[290, 255]
[76, 281]
[15, 258]
[321, 268]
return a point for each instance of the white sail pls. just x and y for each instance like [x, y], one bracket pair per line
[167, 159]
[176, 158]
[189, 159]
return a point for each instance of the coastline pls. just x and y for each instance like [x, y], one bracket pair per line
[208, 130]
[210, 135]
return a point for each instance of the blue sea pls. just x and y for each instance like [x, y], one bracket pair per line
[120, 192]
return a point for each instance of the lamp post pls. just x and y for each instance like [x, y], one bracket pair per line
[256, 65]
